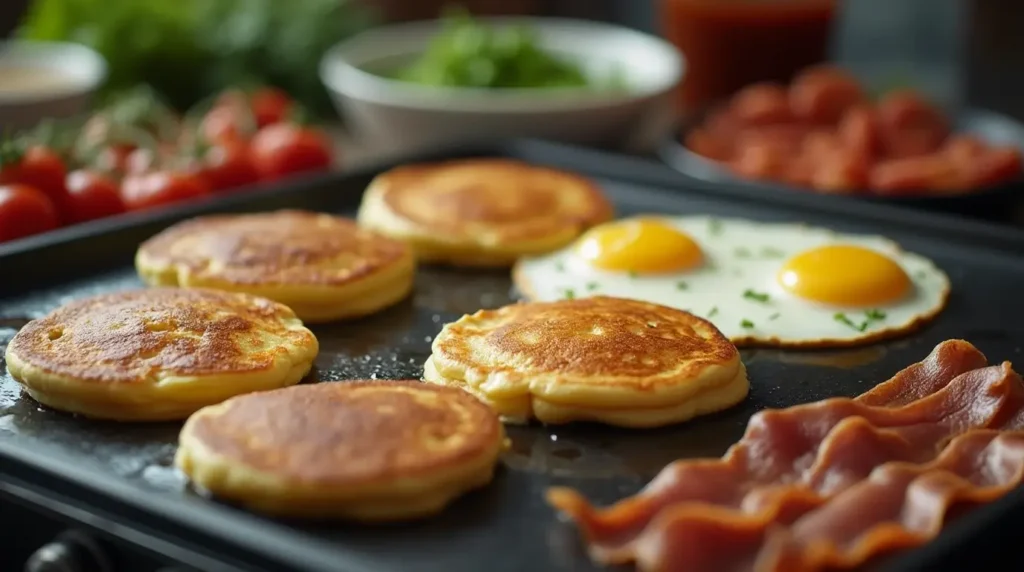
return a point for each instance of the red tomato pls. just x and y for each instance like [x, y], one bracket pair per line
[822, 94]
[226, 123]
[158, 188]
[25, 211]
[227, 167]
[283, 149]
[761, 104]
[90, 196]
[270, 105]
[38, 167]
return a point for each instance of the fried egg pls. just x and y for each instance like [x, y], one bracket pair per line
[760, 283]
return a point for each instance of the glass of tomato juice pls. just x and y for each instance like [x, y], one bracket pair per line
[729, 44]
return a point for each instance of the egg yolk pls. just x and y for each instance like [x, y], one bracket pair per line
[845, 276]
[644, 246]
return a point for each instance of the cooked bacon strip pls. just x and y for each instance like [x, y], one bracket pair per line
[898, 506]
[778, 447]
[789, 461]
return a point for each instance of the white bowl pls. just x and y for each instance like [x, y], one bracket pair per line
[81, 69]
[401, 115]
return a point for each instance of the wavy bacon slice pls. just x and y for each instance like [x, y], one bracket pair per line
[790, 459]
[898, 506]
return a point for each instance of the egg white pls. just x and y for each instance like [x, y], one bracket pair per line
[740, 256]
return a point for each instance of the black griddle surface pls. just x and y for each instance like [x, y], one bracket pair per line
[507, 526]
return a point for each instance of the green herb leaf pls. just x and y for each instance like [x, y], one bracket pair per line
[682, 285]
[747, 324]
[772, 252]
[844, 319]
[874, 315]
[713, 312]
[569, 293]
[756, 296]
[591, 286]
[632, 274]
[714, 226]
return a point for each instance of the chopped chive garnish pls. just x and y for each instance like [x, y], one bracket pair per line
[570, 293]
[756, 296]
[682, 285]
[773, 316]
[874, 315]
[772, 252]
[746, 324]
[843, 319]
[742, 252]
[591, 286]
[632, 273]
[714, 226]
[713, 311]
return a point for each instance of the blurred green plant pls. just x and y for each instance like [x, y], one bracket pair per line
[470, 53]
[189, 49]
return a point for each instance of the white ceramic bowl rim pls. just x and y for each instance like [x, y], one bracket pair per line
[85, 66]
[341, 69]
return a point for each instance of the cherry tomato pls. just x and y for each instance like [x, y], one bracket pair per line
[283, 149]
[25, 211]
[228, 167]
[90, 196]
[159, 188]
[822, 94]
[762, 104]
[37, 167]
[270, 105]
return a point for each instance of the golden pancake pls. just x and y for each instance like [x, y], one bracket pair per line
[610, 360]
[158, 354]
[482, 212]
[321, 266]
[363, 450]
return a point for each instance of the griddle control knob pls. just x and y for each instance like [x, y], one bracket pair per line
[69, 552]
